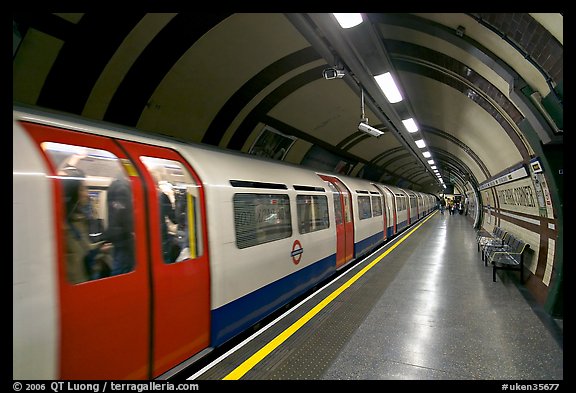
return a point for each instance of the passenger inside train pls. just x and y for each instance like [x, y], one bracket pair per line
[97, 200]
[86, 260]
[120, 230]
[173, 212]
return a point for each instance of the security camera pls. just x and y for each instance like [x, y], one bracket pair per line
[369, 129]
[333, 73]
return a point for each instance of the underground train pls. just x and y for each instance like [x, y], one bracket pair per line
[134, 254]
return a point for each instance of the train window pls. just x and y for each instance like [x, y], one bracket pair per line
[180, 213]
[364, 207]
[97, 212]
[401, 205]
[347, 207]
[312, 213]
[376, 205]
[261, 218]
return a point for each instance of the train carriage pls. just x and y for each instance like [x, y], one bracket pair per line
[412, 206]
[389, 210]
[227, 237]
[260, 209]
[401, 205]
[419, 205]
[430, 202]
[367, 210]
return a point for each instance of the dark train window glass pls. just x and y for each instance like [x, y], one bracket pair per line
[376, 205]
[180, 213]
[364, 207]
[261, 218]
[413, 202]
[98, 212]
[312, 213]
[401, 205]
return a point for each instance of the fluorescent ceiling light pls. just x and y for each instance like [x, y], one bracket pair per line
[388, 86]
[420, 143]
[427, 154]
[430, 162]
[433, 167]
[348, 20]
[410, 125]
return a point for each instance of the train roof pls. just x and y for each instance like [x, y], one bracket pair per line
[214, 164]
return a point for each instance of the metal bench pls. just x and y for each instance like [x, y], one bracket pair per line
[510, 257]
[497, 237]
[502, 244]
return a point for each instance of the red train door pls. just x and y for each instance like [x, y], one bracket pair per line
[344, 226]
[104, 319]
[179, 255]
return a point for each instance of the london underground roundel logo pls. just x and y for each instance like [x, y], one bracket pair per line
[297, 251]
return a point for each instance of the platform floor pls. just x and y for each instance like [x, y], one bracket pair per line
[423, 308]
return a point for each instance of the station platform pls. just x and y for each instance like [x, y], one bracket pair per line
[423, 307]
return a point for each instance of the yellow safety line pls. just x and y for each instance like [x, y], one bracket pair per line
[253, 360]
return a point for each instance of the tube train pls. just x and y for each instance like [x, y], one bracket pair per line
[242, 237]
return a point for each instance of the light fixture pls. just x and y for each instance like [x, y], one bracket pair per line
[427, 154]
[410, 125]
[433, 167]
[420, 143]
[363, 125]
[460, 30]
[369, 129]
[389, 88]
[347, 21]
[430, 162]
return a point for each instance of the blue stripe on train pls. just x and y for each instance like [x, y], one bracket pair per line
[389, 232]
[401, 225]
[368, 244]
[235, 317]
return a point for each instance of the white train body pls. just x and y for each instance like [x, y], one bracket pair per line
[248, 236]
